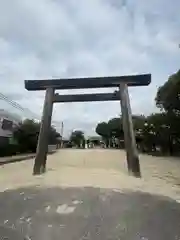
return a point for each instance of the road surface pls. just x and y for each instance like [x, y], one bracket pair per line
[87, 194]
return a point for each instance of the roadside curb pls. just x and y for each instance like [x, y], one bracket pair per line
[11, 160]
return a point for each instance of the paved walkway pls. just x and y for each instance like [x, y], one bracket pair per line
[87, 194]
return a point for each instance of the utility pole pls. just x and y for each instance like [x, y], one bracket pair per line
[62, 131]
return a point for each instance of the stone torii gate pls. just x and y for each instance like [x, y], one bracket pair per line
[120, 82]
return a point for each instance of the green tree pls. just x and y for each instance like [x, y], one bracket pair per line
[159, 130]
[168, 99]
[53, 136]
[103, 130]
[151, 132]
[27, 134]
[116, 132]
[77, 138]
[157, 133]
[168, 95]
[138, 122]
[116, 128]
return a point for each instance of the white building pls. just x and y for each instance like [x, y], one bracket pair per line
[8, 122]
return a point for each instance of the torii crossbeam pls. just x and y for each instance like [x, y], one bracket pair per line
[120, 82]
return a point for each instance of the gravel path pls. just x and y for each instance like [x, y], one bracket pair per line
[87, 194]
[97, 168]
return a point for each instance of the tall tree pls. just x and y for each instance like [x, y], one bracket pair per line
[116, 128]
[138, 122]
[27, 134]
[77, 137]
[168, 95]
[103, 130]
[168, 99]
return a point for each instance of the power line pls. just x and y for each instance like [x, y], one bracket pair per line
[22, 109]
[11, 102]
[18, 106]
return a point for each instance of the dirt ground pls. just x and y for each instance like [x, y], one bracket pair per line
[97, 168]
[87, 194]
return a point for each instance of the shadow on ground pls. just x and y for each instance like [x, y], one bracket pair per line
[88, 213]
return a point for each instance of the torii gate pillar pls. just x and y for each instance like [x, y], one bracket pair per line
[129, 138]
[42, 147]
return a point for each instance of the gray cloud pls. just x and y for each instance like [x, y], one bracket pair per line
[46, 38]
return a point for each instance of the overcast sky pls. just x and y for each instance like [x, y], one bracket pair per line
[70, 38]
